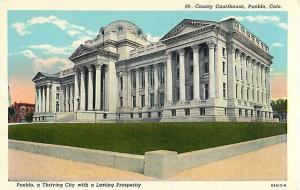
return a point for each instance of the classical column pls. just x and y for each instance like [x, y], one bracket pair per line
[67, 100]
[36, 100]
[211, 46]
[146, 87]
[72, 97]
[258, 74]
[263, 76]
[156, 85]
[64, 98]
[137, 88]
[48, 99]
[82, 90]
[98, 87]
[44, 98]
[181, 75]
[196, 75]
[76, 87]
[90, 88]
[169, 78]
[39, 99]
[231, 86]
[129, 76]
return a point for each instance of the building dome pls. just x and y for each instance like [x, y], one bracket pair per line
[121, 26]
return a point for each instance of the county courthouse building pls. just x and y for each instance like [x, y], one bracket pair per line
[198, 71]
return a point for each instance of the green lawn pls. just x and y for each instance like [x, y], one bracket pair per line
[137, 138]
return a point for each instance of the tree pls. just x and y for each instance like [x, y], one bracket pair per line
[279, 106]
[11, 112]
[29, 117]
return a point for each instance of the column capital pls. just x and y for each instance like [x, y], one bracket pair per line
[169, 55]
[211, 44]
[90, 68]
[195, 48]
[81, 70]
[120, 73]
[181, 51]
[98, 66]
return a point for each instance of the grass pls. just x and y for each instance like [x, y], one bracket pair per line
[138, 138]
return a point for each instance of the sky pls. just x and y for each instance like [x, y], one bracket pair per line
[43, 40]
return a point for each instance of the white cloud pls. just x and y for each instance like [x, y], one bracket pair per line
[283, 25]
[276, 45]
[23, 28]
[44, 64]
[50, 49]
[152, 38]
[20, 28]
[261, 19]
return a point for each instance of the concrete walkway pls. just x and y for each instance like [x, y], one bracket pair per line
[265, 164]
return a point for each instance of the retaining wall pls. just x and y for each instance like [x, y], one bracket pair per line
[161, 164]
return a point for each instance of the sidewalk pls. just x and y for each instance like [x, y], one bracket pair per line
[269, 163]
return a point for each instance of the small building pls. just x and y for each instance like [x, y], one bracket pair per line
[21, 110]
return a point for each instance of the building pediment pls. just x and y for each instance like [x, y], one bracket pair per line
[40, 76]
[186, 26]
[81, 50]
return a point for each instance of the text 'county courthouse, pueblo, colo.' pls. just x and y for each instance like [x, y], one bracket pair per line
[199, 71]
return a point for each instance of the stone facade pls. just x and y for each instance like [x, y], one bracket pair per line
[199, 71]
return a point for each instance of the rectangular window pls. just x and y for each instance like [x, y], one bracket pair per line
[133, 101]
[142, 78]
[161, 98]
[206, 91]
[202, 111]
[140, 115]
[57, 107]
[246, 75]
[57, 88]
[131, 115]
[133, 80]
[173, 112]
[151, 100]
[143, 100]
[225, 111]
[224, 90]
[224, 68]
[162, 74]
[223, 52]
[205, 51]
[187, 112]
[246, 113]
[121, 101]
[247, 93]
[57, 96]
[236, 91]
[206, 67]
[240, 112]
[177, 74]
[149, 114]
[151, 76]
[251, 113]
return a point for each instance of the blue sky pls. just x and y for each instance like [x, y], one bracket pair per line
[43, 40]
